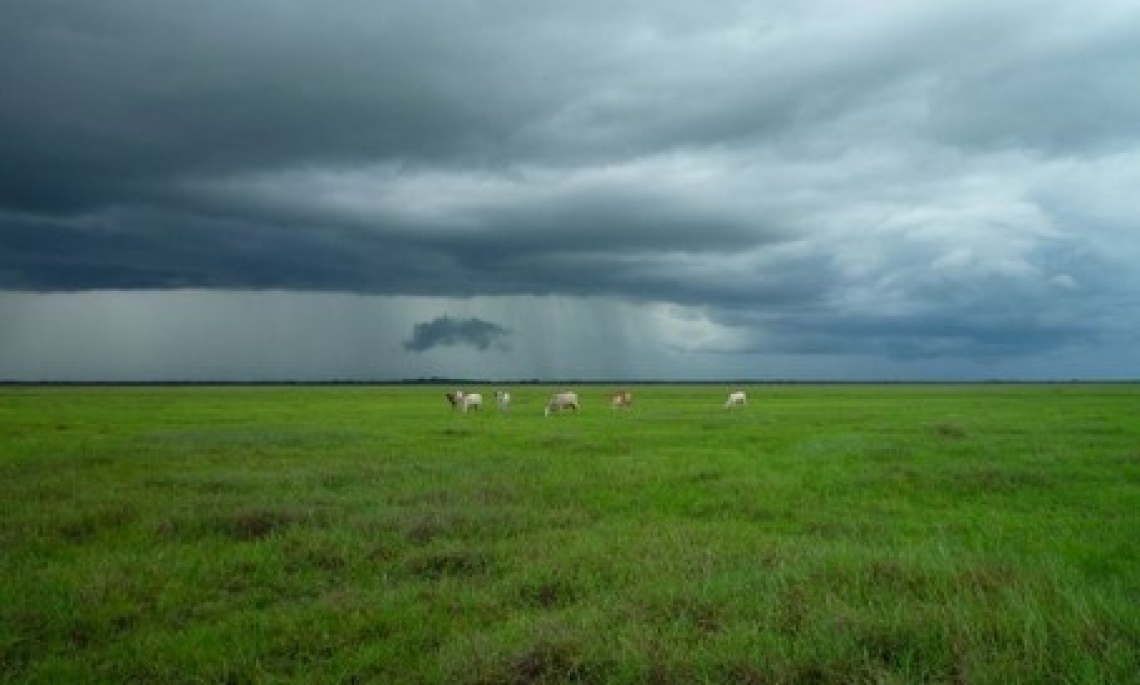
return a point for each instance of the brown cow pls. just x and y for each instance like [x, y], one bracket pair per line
[621, 398]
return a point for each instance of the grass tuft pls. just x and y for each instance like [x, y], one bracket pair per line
[258, 523]
[434, 565]
[950, 430]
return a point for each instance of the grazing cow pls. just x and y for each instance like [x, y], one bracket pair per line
[464, 400]
[621, 398]
[503, 399]
[561, 401]
[470, 400]
[736, 399]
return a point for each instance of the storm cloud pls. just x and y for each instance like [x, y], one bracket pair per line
[943, 181]
[446, 331]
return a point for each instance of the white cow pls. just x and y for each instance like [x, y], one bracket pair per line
[621, 398]
[465, 400]
[471, 400]
[561, 401]
[736, 399]
[503, 399]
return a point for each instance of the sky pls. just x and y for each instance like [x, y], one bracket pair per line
[622, 189]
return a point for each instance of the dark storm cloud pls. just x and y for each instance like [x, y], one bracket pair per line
[927, 336]
[448, 332]
[827, 175]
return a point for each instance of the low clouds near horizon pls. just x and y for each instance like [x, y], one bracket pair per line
[945, 185]
[446, 331]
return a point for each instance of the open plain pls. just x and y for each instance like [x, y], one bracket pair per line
[982, 533]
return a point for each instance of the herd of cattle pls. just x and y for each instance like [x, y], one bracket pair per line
[561, 401]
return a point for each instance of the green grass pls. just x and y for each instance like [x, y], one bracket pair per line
[846, 534]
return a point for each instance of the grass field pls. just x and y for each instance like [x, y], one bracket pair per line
[822, 534]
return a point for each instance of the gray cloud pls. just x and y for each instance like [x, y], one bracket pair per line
[950, 179]
[448, 332]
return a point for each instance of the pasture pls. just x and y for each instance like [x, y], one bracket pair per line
[820, 534]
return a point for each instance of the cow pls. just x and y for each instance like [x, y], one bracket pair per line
[621, 398]
[503, 399]
[470, 400]
[464, 400]
[561, 401]
[736, 398]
